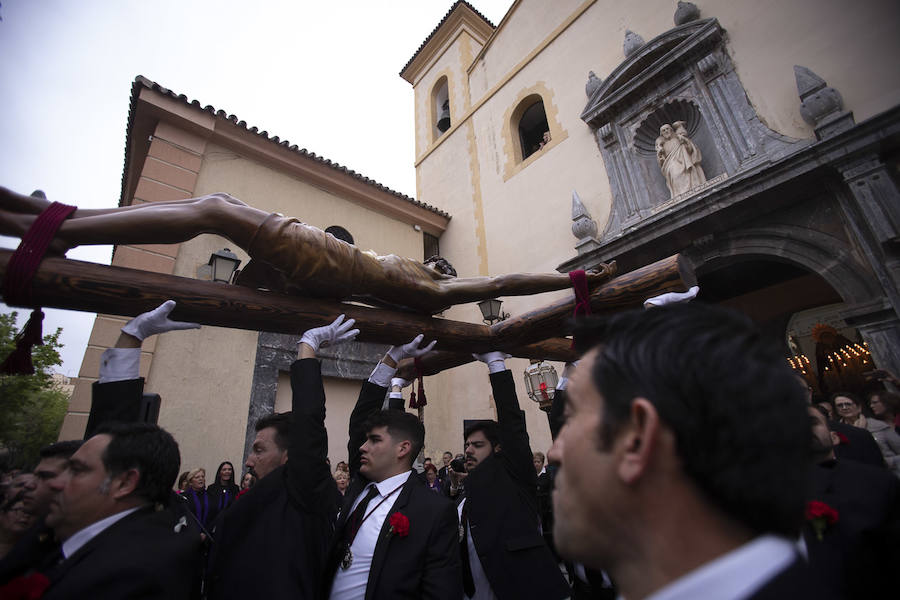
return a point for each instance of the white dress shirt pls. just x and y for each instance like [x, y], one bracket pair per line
[483, 589]
[351, 584]
[83, 536]
[735, 575]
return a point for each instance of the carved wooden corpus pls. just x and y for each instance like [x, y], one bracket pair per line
[76, 285]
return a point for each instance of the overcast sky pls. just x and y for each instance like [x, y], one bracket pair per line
[323, 75]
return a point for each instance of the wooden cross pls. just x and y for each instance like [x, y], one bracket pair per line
[77, 285]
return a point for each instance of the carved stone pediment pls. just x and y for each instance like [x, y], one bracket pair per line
[683, 75]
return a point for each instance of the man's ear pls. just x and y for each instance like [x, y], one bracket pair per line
[637, 440]
[125, 483]
[403, 449]
[497, 448]
[835, 438]
[284, 457]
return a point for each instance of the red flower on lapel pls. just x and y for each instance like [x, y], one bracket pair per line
[820, 516]
[26, 587]
[399, 524]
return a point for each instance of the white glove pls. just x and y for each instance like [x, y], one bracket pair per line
[156, 321]
[563, 382]
[330, 335]
[410, 350]
[672, 298]
[496, 361]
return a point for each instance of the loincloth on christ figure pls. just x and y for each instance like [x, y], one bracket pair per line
[310, 262]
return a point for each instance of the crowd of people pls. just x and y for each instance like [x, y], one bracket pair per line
[672, 474]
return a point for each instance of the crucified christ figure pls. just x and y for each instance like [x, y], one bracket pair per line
[312, 261]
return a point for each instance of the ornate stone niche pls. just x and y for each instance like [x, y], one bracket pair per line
[686, 75]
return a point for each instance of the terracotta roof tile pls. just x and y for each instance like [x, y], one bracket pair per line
[142, 82]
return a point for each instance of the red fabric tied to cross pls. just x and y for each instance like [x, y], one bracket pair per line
[543, 390]
[582, 295]
[421, 401]
[17, 288]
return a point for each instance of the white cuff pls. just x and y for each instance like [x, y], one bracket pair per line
[396, 395]
[120, 364]
[496, 366]
[381, 375]
[562, 384]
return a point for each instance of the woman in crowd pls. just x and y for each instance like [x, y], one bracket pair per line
[247, 482]
[848, 409]
[431, 479]
[342, 481]
[182, 482]
[197, 498]
[884, 406]
[224, 490]
[14, 522]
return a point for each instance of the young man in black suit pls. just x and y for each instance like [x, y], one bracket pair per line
[394, 538]
[272, 542]
[683, 460]
[502, 550]
[857, 554]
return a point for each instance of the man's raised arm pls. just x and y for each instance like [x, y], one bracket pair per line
[371, 396]
[116, 395]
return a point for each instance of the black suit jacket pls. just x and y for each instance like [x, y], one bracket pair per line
[858, 554]
[140, 556]
[501, 498]
[425, 563]
[861, 446]
[271, 542]
[796, 582]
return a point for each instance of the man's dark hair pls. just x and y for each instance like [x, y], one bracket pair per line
[401, 425]
[282, 424]
[490, 429]
[149, 449]
[738, 416]
[63, 449]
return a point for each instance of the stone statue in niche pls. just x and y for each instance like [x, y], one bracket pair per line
[679, 159]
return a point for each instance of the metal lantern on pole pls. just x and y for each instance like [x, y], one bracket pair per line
[224, 263]
[540, 382]
[490, 310]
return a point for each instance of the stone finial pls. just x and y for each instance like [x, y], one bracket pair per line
[632, 42]
[593, 84]
[686, 12]
[820, 105]
[584, 228]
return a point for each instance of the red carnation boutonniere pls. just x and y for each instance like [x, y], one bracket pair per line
[26, 587]
[842, 439]
[820, 516]
[399, 525]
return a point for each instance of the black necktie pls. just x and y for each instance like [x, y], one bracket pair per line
[468, 581]
[354, 521]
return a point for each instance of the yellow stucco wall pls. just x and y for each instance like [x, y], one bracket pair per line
[204, 377]
[521, 222]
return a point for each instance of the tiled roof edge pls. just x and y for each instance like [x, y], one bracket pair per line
[142, 82]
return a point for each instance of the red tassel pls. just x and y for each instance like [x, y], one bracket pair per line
[582, 294]
[19, 360]
[412, 399]
[421, 373]
[20, 270]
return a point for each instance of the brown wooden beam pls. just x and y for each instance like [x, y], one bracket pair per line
[77, 285]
